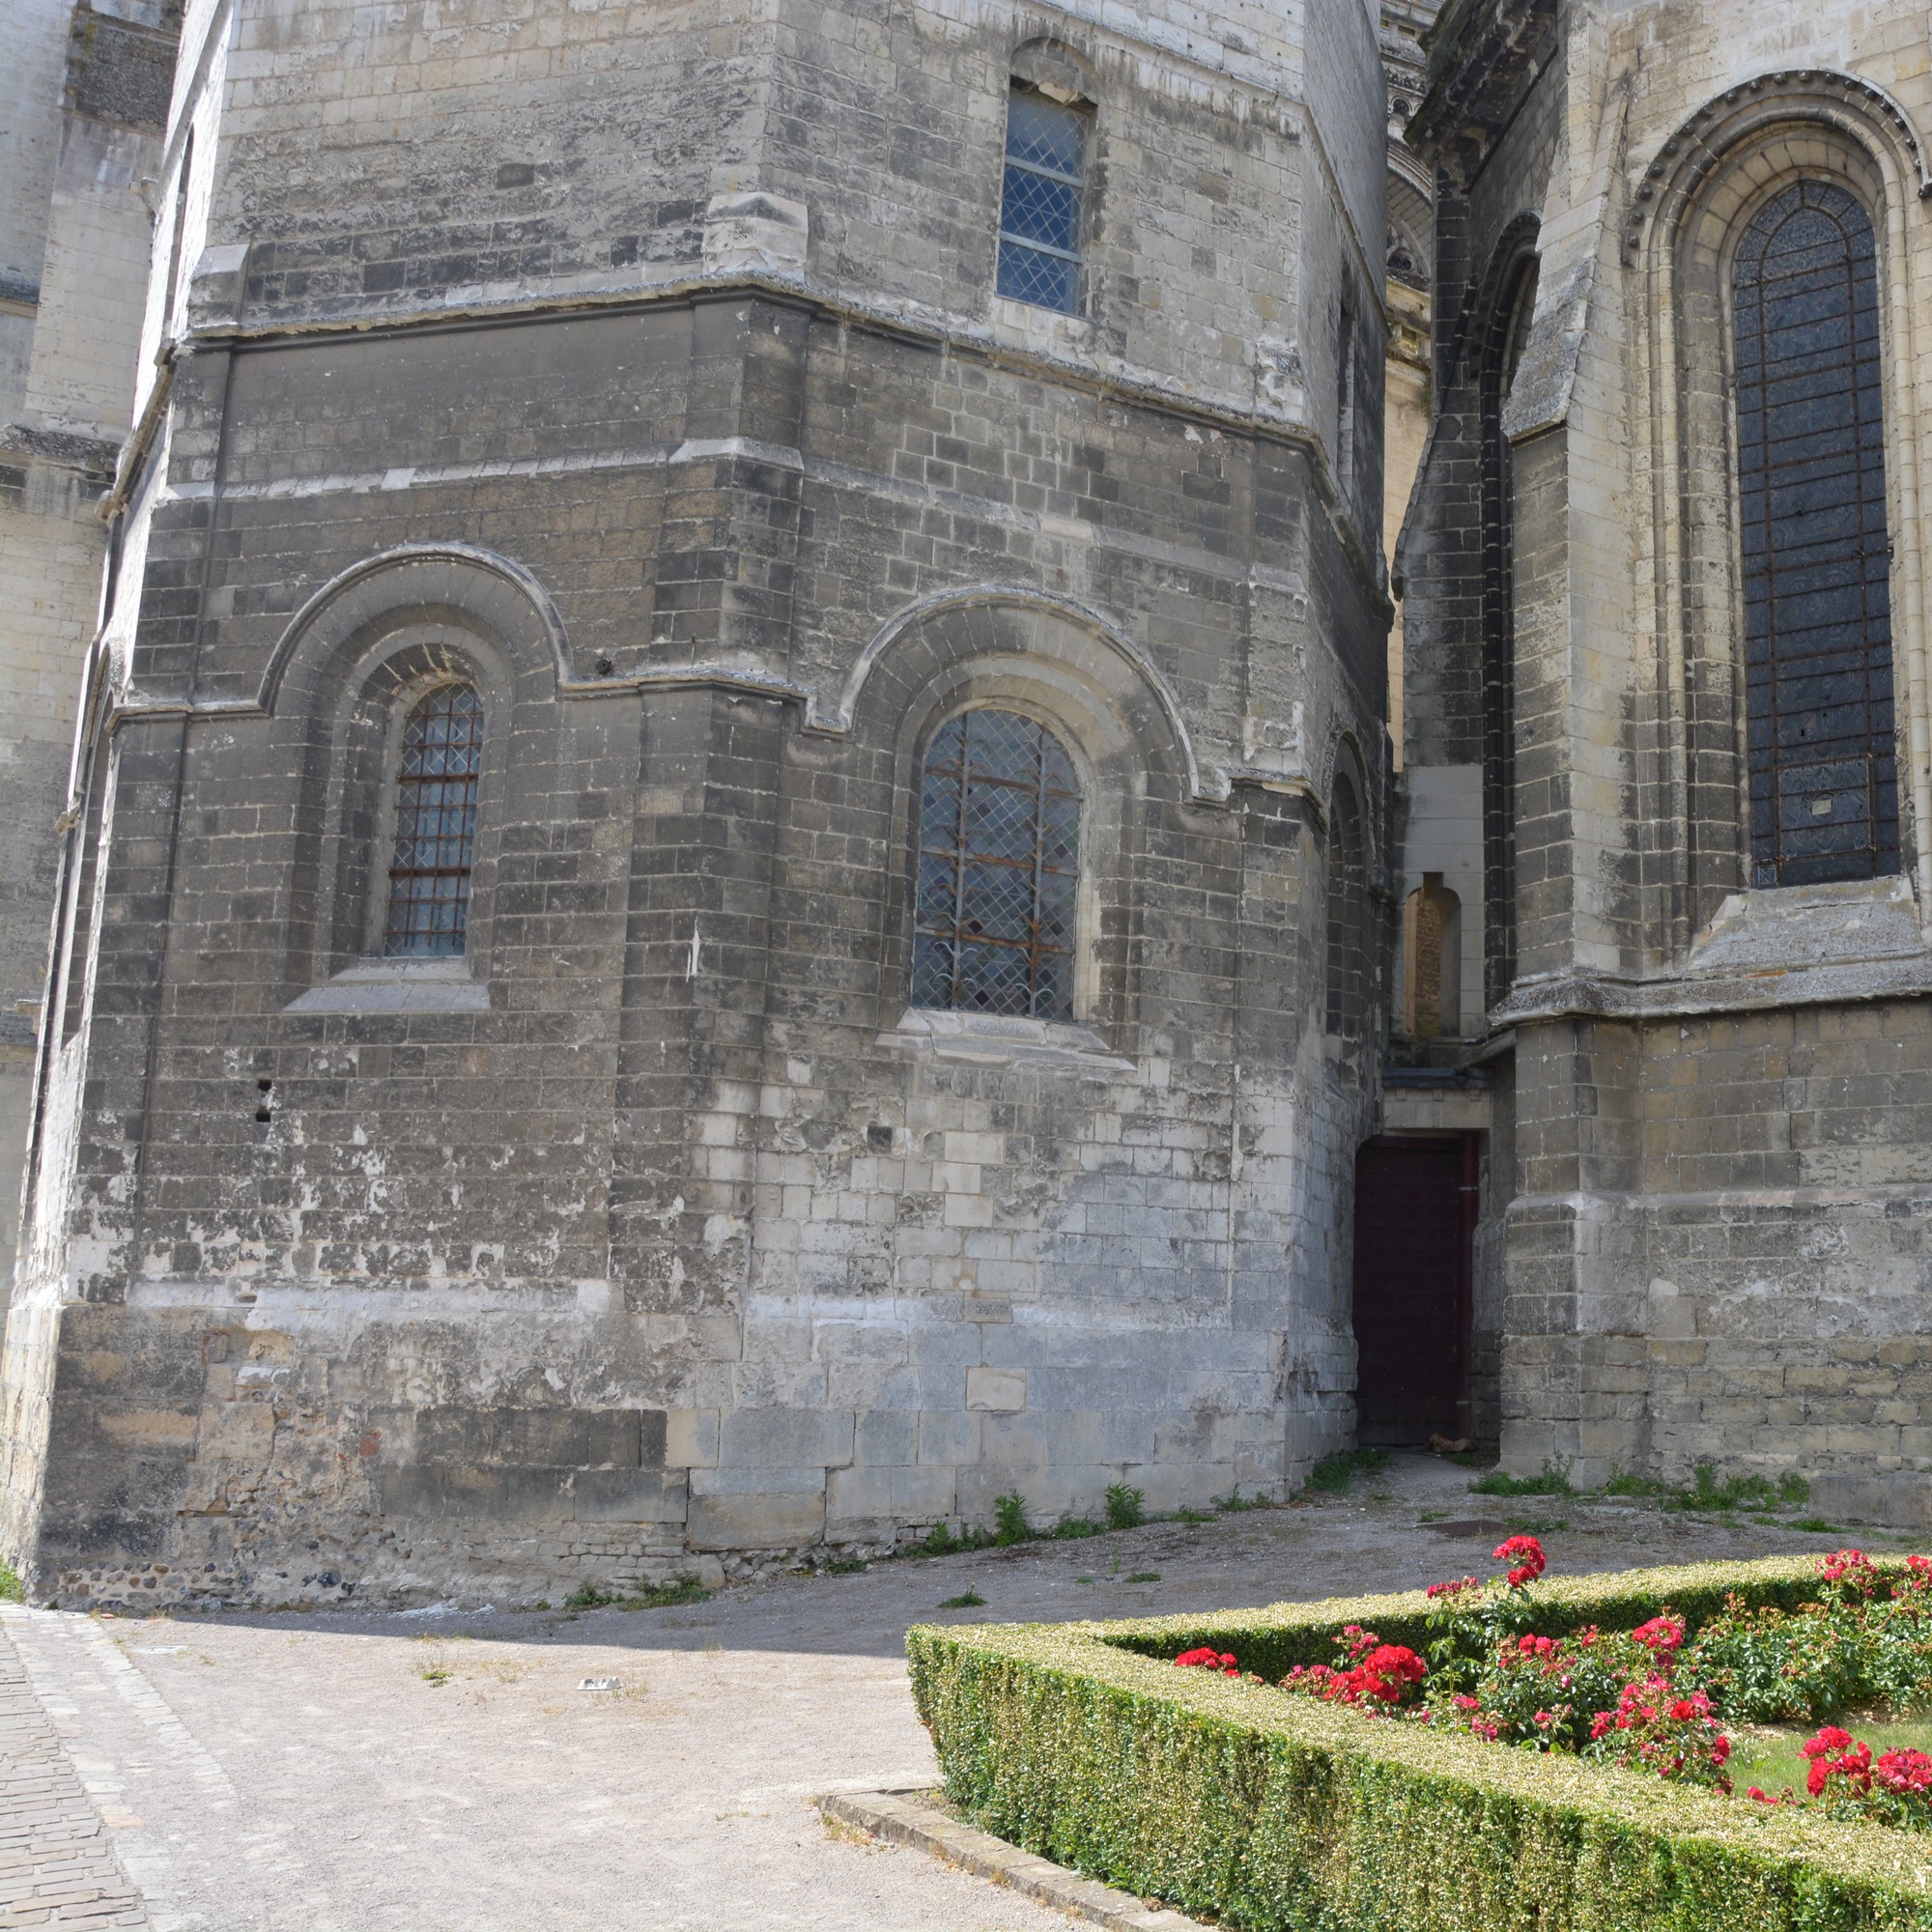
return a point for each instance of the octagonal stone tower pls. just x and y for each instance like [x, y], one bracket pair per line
[723, 894]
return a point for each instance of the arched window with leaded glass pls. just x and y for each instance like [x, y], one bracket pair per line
[998, 869]
[1814, 542]
[435, 847]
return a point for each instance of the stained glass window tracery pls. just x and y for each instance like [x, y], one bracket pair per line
[1815, 544]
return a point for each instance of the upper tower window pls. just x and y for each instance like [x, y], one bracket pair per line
[1042, 204]
[1818, 697]
[435, 825]
[998, 849]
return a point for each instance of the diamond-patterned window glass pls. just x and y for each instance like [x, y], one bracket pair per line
[1818, 697]
[435, 825]
[999, 848]
[1040, 201]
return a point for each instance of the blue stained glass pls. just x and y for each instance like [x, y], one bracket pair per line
[1041, 202]
[1824, 796]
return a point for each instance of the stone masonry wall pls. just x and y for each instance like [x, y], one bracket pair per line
[1719, 1163]
[662, 1234]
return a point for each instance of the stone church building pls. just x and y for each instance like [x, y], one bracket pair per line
[781, 818]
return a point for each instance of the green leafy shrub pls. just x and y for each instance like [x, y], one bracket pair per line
[1124, 1506]
[1552, 1480]
[11, 1591]
[1009, 1519]
[1279, 1813]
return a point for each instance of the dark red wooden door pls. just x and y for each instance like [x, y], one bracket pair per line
[1412, 1237]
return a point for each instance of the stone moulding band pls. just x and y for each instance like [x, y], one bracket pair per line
[1595, 996]
[1214, 788]
[1800, 92]
[487, 304]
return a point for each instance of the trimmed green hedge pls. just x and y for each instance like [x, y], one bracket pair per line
[1082, 1742]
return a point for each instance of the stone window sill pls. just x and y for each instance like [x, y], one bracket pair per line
[397, 987]
[988, 1039]
[1051, 331]
[1784, 929]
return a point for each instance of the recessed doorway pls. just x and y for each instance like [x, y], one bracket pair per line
[1415, 1224]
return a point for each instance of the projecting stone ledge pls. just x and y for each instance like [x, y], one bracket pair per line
[914, 1818]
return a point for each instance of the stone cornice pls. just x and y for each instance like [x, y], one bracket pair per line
[1484, 57]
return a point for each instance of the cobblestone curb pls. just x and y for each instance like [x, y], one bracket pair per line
[910, 1818]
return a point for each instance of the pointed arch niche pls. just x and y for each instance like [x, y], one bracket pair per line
[1828, 150]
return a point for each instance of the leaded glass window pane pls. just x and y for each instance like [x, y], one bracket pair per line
[435, 825]
[1816, 549]
[998, 854]
[1041, 202]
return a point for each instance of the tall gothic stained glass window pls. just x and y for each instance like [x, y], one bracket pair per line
[998, 850]
[1824, 788]
[1040, 201]
[435, 825]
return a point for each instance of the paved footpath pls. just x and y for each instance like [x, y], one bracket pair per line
[447, 1772]
[57, 1865]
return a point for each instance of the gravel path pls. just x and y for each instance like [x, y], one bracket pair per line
[447, 1774]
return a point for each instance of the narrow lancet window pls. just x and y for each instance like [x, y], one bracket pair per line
[1040, 201]
[998, 855]
[1824, 789]
[1347, 906]
[435, 825]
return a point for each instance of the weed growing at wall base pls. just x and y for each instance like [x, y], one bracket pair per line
[662, 1597]
[11, 1590]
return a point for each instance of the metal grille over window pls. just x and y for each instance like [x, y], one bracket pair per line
[998, 848]
[1824, 788]
[435, 825]
[1040, 205]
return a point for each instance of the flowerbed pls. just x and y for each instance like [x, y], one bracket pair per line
[1538, 1754]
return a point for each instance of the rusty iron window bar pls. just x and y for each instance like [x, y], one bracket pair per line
[998, 858]
[436, 826]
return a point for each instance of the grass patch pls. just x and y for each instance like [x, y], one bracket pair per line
[11, 1590]
[1816, 1525]
[1551, 1480]
[1143, 1575]
[846, 1566]
[1333, 1475]
[1071, 1529]
[966, 1600]
[1771, 1756]
[661, 1597]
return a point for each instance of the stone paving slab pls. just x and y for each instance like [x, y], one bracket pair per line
[57, 1862]
[915, 1818]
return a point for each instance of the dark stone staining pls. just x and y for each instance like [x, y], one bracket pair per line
[119, 71]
